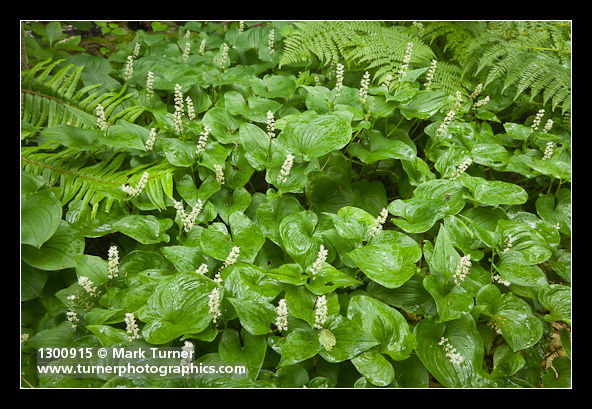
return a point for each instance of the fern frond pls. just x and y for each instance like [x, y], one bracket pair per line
[50, 100]
[70, 170]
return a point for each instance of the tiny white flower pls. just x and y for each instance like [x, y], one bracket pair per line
[500, 280]
[365, 83]
[129, 68]
[271, 39]
[281, 320]
[131, 327]
[481, 102]
[537, 119]
[461, 168]
[24, 337]
[151, 139]
[270, 125]
[430, 74]
[219, 173]
[135, 191]
[202, 47]
[87, 284]
[451, 353]
[511, 240]
[136, 51]
[186, 50]
[203, 138]
[447, 120]
[477, 91]
[318, 263]
[190, 109]
[548, 150]
[150, 85]
[406, 60]
[380, 220]
[101, 120]
[462, 269]
[113, 262]
[339, 83]
[286, 167]
[203, 269]
[320, 312]
[548, 126]
[73, 318]
[214, 304]
[224, 56]
[232, 257]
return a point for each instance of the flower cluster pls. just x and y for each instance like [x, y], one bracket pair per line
[420, 27]
[458, 101]
[281, 319]
[224, 56]
[179, 109]
[270, 125]
[320, 312]
[151, 139]
[317, 81]
[286, 167]
[500, 280]
[219, 173]
[241, 26]
[339, 83]
[430, 74]
[203, 138]
[113, 263]
[364, 87]
[190, 109]
[318, 263]
[451, 354]
[101, 120]
[387, 80]
[203, 269]
[187, 49]
[136, 51]
[129, 68]
[450, 115]
[230, 260]
[232, 257]
[24, 337]
[481, 102]
[537, 119]
[406, 61]
[271, 40]
[509, 243]
[135, 191]
[72, 317]
[189, 350]
[460, 169]
[202, 47]
[548, 150]
[131, 327]
[477, 91]
[462, 269]
[214, 304]
[150, 85]
[87, 284]
[380, 220]
[548, 125]
[188, 220]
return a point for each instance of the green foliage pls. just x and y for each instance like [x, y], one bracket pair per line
[387, 235]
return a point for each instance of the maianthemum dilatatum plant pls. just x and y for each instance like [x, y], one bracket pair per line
[352, 221]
